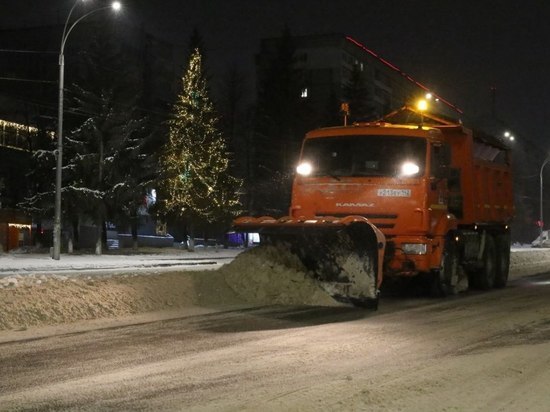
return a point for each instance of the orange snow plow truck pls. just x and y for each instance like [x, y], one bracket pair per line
[382, 200]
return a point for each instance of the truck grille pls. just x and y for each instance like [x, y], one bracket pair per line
[373, 217]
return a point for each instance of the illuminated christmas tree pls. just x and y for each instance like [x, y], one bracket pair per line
[195, 184]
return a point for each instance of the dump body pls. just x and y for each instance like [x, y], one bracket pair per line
[485, 179]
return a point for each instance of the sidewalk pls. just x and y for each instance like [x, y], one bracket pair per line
[161, 259]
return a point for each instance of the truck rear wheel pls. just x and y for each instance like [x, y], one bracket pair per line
[484, 278]
[445, 280]
[502, 243]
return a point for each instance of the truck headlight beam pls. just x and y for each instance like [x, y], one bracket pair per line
[409, 169]
[304, 169]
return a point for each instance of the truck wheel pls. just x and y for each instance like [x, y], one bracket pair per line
[445, 280]
[485, 277]
[502, 243]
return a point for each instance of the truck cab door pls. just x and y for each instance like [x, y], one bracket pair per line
[443, 172]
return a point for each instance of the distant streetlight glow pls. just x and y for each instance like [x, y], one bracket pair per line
[56, 251]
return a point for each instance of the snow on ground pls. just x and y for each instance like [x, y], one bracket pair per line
[39, 291]
[146, 258]
[36, 290]
[529, 261]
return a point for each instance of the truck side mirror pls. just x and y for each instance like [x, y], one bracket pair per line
[441, 161]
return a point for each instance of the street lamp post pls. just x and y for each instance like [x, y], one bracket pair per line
[66, 31]
[541, 220]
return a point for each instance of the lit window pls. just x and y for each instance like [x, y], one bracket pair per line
[304, 93]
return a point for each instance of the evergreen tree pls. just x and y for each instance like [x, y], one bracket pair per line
[233, 118]
[195, 43]
[278, 105]
[105, 168]
[357, 95]
[41, 185]
[333, 115]
[108, 150]
[104, 173]
[195, 184]
[281, 121]
[40, 203]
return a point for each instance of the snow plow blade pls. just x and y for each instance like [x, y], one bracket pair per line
[344, 255]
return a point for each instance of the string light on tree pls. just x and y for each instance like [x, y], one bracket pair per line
[194, 165]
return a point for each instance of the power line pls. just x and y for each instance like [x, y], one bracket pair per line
[27, 51]
[27, 80]
[79, 112]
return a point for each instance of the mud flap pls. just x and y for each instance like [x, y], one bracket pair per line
[343, 259]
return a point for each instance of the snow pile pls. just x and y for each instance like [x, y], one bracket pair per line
[272, 275]
[41, 300]
[261, 276]
[527, 262]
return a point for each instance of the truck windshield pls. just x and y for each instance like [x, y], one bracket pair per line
[371, 155]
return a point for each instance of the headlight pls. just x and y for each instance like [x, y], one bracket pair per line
[409, 169]
[304, 169]
[414, 248]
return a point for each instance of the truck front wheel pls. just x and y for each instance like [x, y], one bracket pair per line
[502, 243]
[445, 280]
[484, 278]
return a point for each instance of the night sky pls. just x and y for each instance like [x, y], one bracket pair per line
[460, 49]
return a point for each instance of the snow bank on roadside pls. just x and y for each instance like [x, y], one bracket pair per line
[526, 262]
[47, 300]
[263, 276]
[259, 276]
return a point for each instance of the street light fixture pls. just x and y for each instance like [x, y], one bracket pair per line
[541, 221]
[116, 6]
[422, 106]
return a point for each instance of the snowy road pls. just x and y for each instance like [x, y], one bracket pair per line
[477, 352]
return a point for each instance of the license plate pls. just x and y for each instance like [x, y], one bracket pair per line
[394, 192]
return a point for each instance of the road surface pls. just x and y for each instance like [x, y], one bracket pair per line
[476, 352]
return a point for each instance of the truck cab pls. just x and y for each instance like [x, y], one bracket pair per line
[395, 176]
